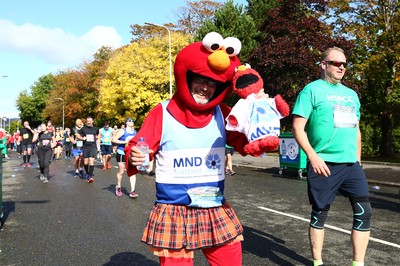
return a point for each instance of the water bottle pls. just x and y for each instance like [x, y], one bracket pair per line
[144, 148]
[283, 148]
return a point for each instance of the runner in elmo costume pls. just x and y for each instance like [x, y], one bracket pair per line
[187, 138]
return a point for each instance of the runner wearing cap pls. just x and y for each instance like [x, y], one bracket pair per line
[77, 148]
[105, 145]
[121, 138]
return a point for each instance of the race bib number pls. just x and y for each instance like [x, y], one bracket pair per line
[25, 136]
[45, 142]
[205, 197]
[344, 117]
[79, 143]
[90, 138]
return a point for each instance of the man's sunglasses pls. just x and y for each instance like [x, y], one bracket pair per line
[337, 63]
[202, 81]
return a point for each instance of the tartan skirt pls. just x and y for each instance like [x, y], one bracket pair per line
[182, 227]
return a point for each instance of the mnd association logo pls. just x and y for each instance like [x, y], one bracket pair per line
[212, 162]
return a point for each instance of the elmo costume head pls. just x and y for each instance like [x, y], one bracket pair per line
[247, 81]
[213, 59]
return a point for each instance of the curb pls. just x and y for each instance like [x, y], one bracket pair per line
[383, 183]
[249, 164]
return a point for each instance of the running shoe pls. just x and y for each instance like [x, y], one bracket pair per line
[81, 174]
[104, 168]
[42, 177]
[133, 194]
[6, 156]
[29, 165]
[24, 165]
[108, 165]
[45, 180]
[90, 180]
[77, 175]
[118, 191]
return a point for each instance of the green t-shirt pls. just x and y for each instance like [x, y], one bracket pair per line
[332, 112]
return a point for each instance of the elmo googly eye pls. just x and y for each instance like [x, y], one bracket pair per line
[232, 46]
[242, 67]
[212, 41]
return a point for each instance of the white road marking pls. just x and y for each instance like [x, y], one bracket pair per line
[329, 226]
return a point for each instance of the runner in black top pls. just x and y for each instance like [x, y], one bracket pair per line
[26, 136]
[45, 142]
[89, 134]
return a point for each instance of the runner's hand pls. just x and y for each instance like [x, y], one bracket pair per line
[319, 166]
[136, 157]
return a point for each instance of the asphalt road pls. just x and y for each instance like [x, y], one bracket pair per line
[71, 222]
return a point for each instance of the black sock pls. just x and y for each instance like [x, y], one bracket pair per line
[91, 170]
[86, 168]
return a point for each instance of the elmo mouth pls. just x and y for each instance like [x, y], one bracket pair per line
[246, 80]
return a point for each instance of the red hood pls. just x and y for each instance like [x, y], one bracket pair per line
[196, 59]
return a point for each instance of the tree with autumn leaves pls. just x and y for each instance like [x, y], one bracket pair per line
[374, 26]
[288, 56]
[79, 88]
[137, 77]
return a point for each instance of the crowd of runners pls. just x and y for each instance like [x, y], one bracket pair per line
[83, 144]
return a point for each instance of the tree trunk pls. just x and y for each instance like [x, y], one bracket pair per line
[386, 147]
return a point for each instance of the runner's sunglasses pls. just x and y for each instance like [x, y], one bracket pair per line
[337, 63]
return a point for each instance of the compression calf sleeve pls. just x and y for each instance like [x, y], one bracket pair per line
[91, 170]
[362, 213]
[318, 217]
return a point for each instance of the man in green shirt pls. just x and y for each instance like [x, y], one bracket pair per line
[326, 126]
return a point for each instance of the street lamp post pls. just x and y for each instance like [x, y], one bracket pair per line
[170, 56]
[61, 99]
[4, 119]
[3, 122]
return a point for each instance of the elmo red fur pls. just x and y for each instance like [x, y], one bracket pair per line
[256, 115]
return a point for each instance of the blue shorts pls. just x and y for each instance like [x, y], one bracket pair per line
[105, 149]
[347, 178]
[229, 150]
[26, 147]
[76, 152]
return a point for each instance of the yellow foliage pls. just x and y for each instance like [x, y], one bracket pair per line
[137, 77]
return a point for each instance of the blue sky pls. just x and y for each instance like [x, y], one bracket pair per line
[47, 36]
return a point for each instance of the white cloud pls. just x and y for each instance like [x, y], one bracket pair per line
[54, 45]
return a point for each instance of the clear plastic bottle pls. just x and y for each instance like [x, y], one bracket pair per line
[144, 148]
[283, 148]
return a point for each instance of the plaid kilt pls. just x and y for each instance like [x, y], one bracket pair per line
[182, 227]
